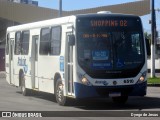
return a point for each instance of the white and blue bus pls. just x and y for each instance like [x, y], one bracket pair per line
[79, 56]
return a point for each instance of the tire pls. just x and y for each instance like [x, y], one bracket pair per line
[120, 100]
[59, 93]
[24, 90]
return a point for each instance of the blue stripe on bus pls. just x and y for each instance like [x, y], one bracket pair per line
[61, 63]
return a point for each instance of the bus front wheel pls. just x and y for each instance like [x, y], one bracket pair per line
[59, 93]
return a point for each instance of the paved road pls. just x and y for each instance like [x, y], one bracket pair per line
[11, 99]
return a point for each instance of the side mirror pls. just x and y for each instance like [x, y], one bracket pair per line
[71, 40]
[148, 47]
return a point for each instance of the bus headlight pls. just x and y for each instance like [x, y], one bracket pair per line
[142, 77]
[85, 81]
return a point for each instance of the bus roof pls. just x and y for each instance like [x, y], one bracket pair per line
[41, 24]
[106, 14]
[62, 20]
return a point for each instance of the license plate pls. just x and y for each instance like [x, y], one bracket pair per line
[115, 94]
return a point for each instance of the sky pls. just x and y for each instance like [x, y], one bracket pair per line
[82, 4]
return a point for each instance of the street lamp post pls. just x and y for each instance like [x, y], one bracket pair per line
[60, 8]
[153, 30]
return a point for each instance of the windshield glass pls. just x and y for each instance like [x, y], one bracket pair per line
[112, 49]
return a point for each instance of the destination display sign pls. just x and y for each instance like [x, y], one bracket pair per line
[95, 35]
[109, 23]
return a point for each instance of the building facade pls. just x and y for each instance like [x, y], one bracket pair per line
[30, 2]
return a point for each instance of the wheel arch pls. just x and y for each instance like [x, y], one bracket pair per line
[20, 73]
[56, 77]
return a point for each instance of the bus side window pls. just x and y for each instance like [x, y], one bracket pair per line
[7, 44]
[17, 49]
[45, 41]
[136, 45]
[55, 40]
[25, 43]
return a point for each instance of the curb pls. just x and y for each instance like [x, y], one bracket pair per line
[153, 85]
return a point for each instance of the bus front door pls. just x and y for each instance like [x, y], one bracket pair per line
[34, 59]
[69, 70]
[11, 69]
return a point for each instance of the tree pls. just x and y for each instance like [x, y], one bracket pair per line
[148, 36]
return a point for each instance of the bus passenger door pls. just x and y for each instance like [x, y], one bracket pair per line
[11, 69]
[7, 61]
[34, 59]
[69, 70]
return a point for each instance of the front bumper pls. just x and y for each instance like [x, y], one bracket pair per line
[83, 91]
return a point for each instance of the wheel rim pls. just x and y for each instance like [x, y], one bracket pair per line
[60, 92]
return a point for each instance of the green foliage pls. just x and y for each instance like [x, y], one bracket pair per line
[148, 36]
[154, 80]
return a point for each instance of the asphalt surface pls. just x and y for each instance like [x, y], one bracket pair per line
[11, 99]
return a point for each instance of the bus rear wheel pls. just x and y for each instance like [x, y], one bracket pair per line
[59, 93]
[24, 90]
[120, 100]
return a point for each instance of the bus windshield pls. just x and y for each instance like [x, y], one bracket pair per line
[109, 46]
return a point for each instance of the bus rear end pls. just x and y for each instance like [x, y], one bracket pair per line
[111, 57]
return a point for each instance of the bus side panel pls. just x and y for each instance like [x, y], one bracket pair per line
[46, 85]
[17, 69]
[28, 81]
[47, 67]
[22, 62]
